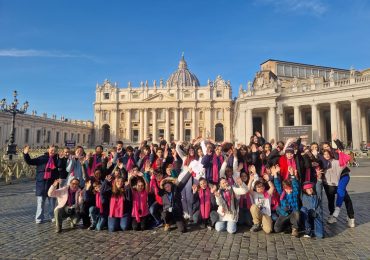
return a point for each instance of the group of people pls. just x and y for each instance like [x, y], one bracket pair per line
[270, 187]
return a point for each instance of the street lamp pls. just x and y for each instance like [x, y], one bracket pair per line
[13, 109]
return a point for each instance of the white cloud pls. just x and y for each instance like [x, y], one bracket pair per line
[40, 53]
[315, 7]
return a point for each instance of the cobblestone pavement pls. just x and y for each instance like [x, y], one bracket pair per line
[21, 238]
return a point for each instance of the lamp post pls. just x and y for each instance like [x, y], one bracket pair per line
[13, 110]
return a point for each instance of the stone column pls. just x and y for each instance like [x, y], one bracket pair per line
[128, 124]
[297, 116]
[364, 124]
[167, 134]
[363, 114]
[115, 126]
[240, 135]
[249, 124]
[209, 120]
[146, 124]
[355, 125]
[194, 123]
[333, 118]
[176, 124]
[314, 119]
[154, 124]
[272, 124]
[142, 125]
[181, 128]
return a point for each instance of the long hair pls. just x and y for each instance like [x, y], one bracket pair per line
[117, 191]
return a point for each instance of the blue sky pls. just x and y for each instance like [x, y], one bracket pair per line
[54, 52]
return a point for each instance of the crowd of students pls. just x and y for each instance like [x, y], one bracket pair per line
[267, 187]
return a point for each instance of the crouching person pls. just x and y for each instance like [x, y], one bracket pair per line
[288, 210]
[69, 201]
[261, 208]
[172, 205]
[311, 210]
[204, 204]
[227, 199]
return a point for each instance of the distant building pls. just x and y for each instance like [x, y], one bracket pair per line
[287, 93]
[40, 131]
[176, 109]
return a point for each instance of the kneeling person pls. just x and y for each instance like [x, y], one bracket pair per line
[69, 201]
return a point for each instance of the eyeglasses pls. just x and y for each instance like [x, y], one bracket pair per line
[74, 183]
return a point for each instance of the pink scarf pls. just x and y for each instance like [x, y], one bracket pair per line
[291, 162]
[139, 205]
[130, 164]
[49, 167]
[98, 203]
[205, 202]
[95, 164]
[343, 159]
[263, 169]
[116, 206]
[215, 168]
[245, 201]
[153, 186]
[230, 180]
[71, 194]
[227, 197]
[245, 165]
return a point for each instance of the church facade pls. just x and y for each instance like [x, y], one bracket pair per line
[176, 109]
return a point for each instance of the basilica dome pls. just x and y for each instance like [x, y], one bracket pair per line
[182, 76]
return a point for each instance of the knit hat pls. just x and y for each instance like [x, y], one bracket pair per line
[308, 185]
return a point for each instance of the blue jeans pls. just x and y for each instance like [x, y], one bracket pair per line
[99, 221]
[230, 226]
[313, 221]
[341, 190]
[156, 211]
[114, 224]
[41, 208]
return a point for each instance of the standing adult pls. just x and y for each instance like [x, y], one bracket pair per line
[46, 174]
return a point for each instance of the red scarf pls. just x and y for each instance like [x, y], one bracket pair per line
[139, 205]
[116, 206]
[95, 164]
[98, 203]
[49, 167]
[153, 185]
[130, 164]
[215, 168]
[205, 202]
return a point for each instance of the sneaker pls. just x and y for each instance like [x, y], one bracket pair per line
[332, 219]
[92, 227]
[166, 227]
[209, 227]
[336, 212]
[295, 232]
[307, 236]
[351, 222]
[53, 220]
[255, 228]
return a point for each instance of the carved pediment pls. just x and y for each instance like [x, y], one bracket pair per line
[160, 97]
